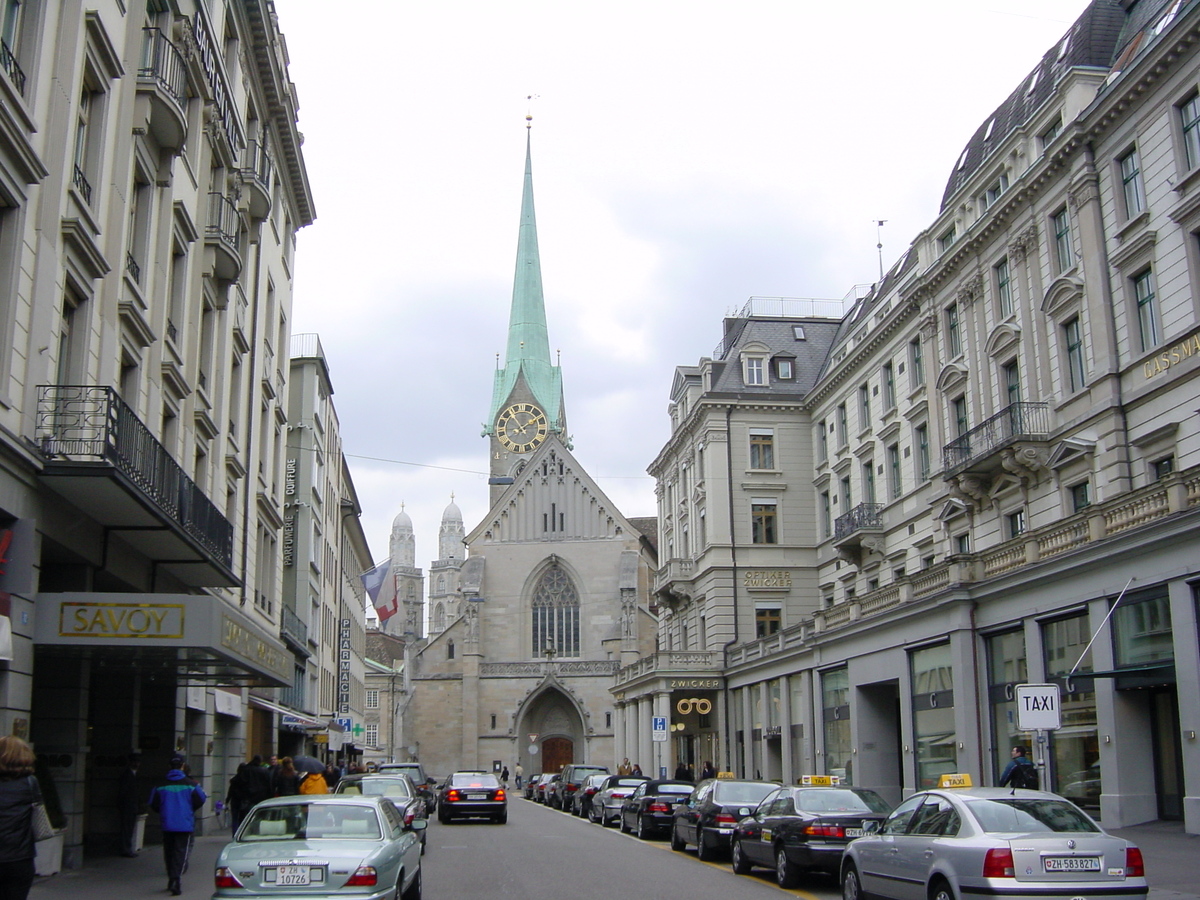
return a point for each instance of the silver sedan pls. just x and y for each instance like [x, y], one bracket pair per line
[606, 804]
[999, 843]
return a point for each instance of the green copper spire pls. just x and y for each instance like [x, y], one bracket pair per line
[528, 355]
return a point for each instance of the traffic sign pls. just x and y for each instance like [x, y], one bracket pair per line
[1038, 707]
[658, 727]
[533, 738]
[347, 723]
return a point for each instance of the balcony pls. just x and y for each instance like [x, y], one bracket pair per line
[12, 69]
[293, 631]
[257, 168]
[673, 580]
[102, 459]
[162, 90]
[221, 236]
[980, 449]
[687, 664]
[859, 531]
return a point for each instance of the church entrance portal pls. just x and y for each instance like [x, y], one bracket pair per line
[556, 753]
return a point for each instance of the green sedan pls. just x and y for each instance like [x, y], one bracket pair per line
[307, 847]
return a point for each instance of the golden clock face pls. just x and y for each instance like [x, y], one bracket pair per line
[521, 428]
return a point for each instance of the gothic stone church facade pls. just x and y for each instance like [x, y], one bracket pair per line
[552, 596]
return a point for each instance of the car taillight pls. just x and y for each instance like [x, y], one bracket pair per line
[364, 876]
[223, 878]
[660, 808]
[998, 864]
[725, 819]
[571, 788]
[409, 816]
[452, 797]
[835, 831]
[1134, 866]
[617, 795]
[500, 794]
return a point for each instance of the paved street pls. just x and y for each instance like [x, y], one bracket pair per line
[542, 854]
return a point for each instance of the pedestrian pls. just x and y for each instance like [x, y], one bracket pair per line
[681, 772]
[332, 777]
[520, 775]
[19, 792]
[286, 782]
[176, 801]
[237, 798]
[504, 777]
[624, 768]
[129, 804]
[1020, 771]
[708, 771]
[258, 782]
[691, 773]
[636, 770]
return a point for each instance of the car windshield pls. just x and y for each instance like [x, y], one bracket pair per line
[838, 801]
[311, 822]
[1022, 814]
[375, 787]
[673, 789]
[480, 781]
[627, 782]
[734, 792]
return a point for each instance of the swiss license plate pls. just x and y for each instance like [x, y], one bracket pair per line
[854, 832]
[477, 796]
[291, 875]
[1071, 863]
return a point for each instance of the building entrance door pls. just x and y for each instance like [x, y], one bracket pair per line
[1168, 755]
[556, 753]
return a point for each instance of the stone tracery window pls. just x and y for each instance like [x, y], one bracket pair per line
[555, 614]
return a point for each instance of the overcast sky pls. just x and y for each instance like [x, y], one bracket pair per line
[686, 156]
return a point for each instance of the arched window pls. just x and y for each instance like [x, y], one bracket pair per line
[555, 614]
[439, 618]
[441, 584]
[450, 650]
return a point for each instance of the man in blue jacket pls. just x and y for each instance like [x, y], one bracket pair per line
[1020, 771]
[176, 801]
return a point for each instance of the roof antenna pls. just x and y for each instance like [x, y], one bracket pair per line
[879, 245]
[529, 110]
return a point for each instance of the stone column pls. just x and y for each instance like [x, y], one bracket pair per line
[785, 729]
[645, 752]
[619, 752]
[748, 731]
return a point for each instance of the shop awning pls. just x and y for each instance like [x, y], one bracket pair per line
[298, 718]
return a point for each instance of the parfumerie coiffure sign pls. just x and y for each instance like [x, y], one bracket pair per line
[191, 621]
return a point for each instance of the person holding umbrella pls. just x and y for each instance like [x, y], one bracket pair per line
[310, 775]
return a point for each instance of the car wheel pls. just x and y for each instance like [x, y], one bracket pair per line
[502, 819]
[941, 890]
[591, 814]
[422, 843]
[604, 821]
[624, 829]
[677, 843]
[851, 888]
[644, 831]
[741, 865]
[704, 850]
[785, 872]
[414, 889]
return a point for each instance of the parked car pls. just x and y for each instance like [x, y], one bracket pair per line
[544, 788]
[396, 787]
[472, 794]
[707, 818]
[606, 805]
[563, 793]
[1004, 843]
[425, 783]
[531, 783]
[582, 806]
[326, 845]
[650, 809]
[800, 829]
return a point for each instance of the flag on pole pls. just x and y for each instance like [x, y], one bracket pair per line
[381, 588]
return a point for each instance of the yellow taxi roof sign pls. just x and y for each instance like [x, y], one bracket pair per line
[820, 780]
[725, 776]
[957, 780]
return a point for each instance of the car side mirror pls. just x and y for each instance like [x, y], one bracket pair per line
[420, 824]
[871, 827]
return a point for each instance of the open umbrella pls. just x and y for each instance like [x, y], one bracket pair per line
[307, 764]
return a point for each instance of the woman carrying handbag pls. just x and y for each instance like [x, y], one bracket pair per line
[22, 816]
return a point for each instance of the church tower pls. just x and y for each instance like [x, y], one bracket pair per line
[527, 395]
[444, 572]
[402, 549]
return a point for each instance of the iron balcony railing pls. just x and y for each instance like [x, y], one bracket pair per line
[291, 628]
[132, 267]
[223, 219]
[1020, 420]
[163, 63]
[12, 68]
[93, 422]
[865, 515]
[257, 163]
[79, 180]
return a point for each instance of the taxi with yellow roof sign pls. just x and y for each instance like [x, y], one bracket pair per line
[959, 841]
[805, 827]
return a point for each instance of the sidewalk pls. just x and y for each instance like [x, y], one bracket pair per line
[1170, 857]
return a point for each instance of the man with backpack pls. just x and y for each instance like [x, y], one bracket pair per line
[1020, 772]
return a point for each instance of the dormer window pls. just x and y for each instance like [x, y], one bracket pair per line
[991, 126]
[798, 332]
[1063, 48]
[946, 241]
[1033, 80]
[753, 370]
[993, 191]
[784, 370]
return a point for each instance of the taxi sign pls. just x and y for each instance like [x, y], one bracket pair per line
[725, 776]
[957, 780]
[820, 780]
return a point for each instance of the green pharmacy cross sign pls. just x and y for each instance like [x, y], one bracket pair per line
[358, 730]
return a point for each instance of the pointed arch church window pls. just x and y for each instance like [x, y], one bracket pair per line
[439, 618]
[556, 614]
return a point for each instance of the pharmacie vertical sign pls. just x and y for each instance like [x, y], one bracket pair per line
[344, 668]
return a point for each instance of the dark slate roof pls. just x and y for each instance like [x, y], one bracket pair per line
[1095, 39]
[778, 336]
[647, 526]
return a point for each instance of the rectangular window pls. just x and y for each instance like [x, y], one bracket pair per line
[993, 191]
[916, 361]
[822, 442]
[1142, 629]
[1131, 184]
[762, 522]
[1073, 345]
[1046, 138]
[1003, 288]
[842, 434]
[762, 449]
[1161, 468]
[1016, 523]
[1060, 226]
[1147, 309]
[962, 543]
[922, 440]
[868, 478]
[1012, 382]
[767, 620]
[754, 370]
[895, 484]
[1189, 115]
[864, 407]
[835, 721]
[888, 378]
[958, 407]
[953, 337]
[934, 733]
[1076, 749]
[946, 241]
[783, 369]
[846, 501]
[372, 699]
[1081, 496]
[1006, 666]
[826, 515]
[372, 734]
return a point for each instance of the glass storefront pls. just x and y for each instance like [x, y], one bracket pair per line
[835, 703]
[1142, 629]
[1074, 748]
[1006, 668]
[933, 714]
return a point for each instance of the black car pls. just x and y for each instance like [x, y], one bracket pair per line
[650, 809]
[801, 829]
[394, 786]
[425, 783]
[472, 794]
[543, 789]
[531, 783]
[565, 789]
[707, 818]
